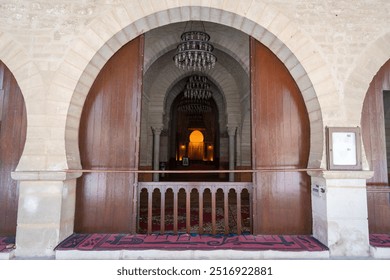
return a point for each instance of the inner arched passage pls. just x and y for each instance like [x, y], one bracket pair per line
[193, 139]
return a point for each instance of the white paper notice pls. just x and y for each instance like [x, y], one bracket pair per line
[344, 148]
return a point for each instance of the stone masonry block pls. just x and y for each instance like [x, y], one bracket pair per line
[36, 241]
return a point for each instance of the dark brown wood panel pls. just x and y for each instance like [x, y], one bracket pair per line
[13, 126]
[109, 136]
[281, 139]
[374, 140]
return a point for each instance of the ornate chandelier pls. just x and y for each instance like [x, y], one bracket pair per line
[197, 87]
[196, 95]
[193, 106]
[195, 52]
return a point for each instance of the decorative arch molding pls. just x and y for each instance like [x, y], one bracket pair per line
[257, 19]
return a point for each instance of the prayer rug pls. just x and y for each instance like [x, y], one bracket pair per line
[106, 242]
[380, 240]
[7, 244]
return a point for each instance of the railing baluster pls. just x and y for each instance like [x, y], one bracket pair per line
[162, 211]
[250, 209]
[238, 192]
[188, 209]
[213, 212]
[162, 187]
[226, 209]
[150, 208]
[200, 230]
[139, 206]
[175, 205]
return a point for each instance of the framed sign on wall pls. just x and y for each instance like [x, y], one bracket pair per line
[344, 148]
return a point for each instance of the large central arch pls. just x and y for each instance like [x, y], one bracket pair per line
[265, 36]
[263, 22]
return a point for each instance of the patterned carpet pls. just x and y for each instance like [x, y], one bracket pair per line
[193, 242]
[101, 242]
[380, 240]
[7, 244]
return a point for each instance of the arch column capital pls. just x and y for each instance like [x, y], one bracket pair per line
[157, 129]
[231, 130]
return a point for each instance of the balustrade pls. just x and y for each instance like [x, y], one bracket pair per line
[235, 189]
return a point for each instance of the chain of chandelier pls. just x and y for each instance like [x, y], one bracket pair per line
[194, 53]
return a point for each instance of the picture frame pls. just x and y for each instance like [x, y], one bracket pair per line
[344, 148]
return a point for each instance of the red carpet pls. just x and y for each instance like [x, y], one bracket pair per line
[380, 240]
[100, 242]
[7, 244]
[90, 242]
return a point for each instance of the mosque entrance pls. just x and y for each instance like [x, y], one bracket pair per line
[135, 123]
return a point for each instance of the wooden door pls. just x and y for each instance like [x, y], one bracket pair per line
[13, 126]
[374, 140]
[109, 139]
[280, 139]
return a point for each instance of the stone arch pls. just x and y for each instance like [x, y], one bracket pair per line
[176, 89]
[366, 67]
[259, 20]
[360, 77]
[19, 63]
[30, 82]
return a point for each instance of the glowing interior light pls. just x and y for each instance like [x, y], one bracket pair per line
[196, 137]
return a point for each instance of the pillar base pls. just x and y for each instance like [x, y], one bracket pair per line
[45, 216]
[340, 216]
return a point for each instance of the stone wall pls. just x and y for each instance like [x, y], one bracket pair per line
[54, 47]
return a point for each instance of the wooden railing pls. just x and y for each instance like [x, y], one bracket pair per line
[201, 188]
[378, 189]
[372, 189]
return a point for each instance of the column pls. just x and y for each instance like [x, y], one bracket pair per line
[156, 151]
[232, 135]
[339, 208]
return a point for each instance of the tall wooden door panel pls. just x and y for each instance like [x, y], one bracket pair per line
[281, 139]
[374, 140]
[13, 126]
[109, 136]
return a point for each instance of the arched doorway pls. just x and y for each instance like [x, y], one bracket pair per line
[376, 135]
[13, 124]
[280, 139]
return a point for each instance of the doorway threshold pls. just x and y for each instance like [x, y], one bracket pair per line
[190, 246]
